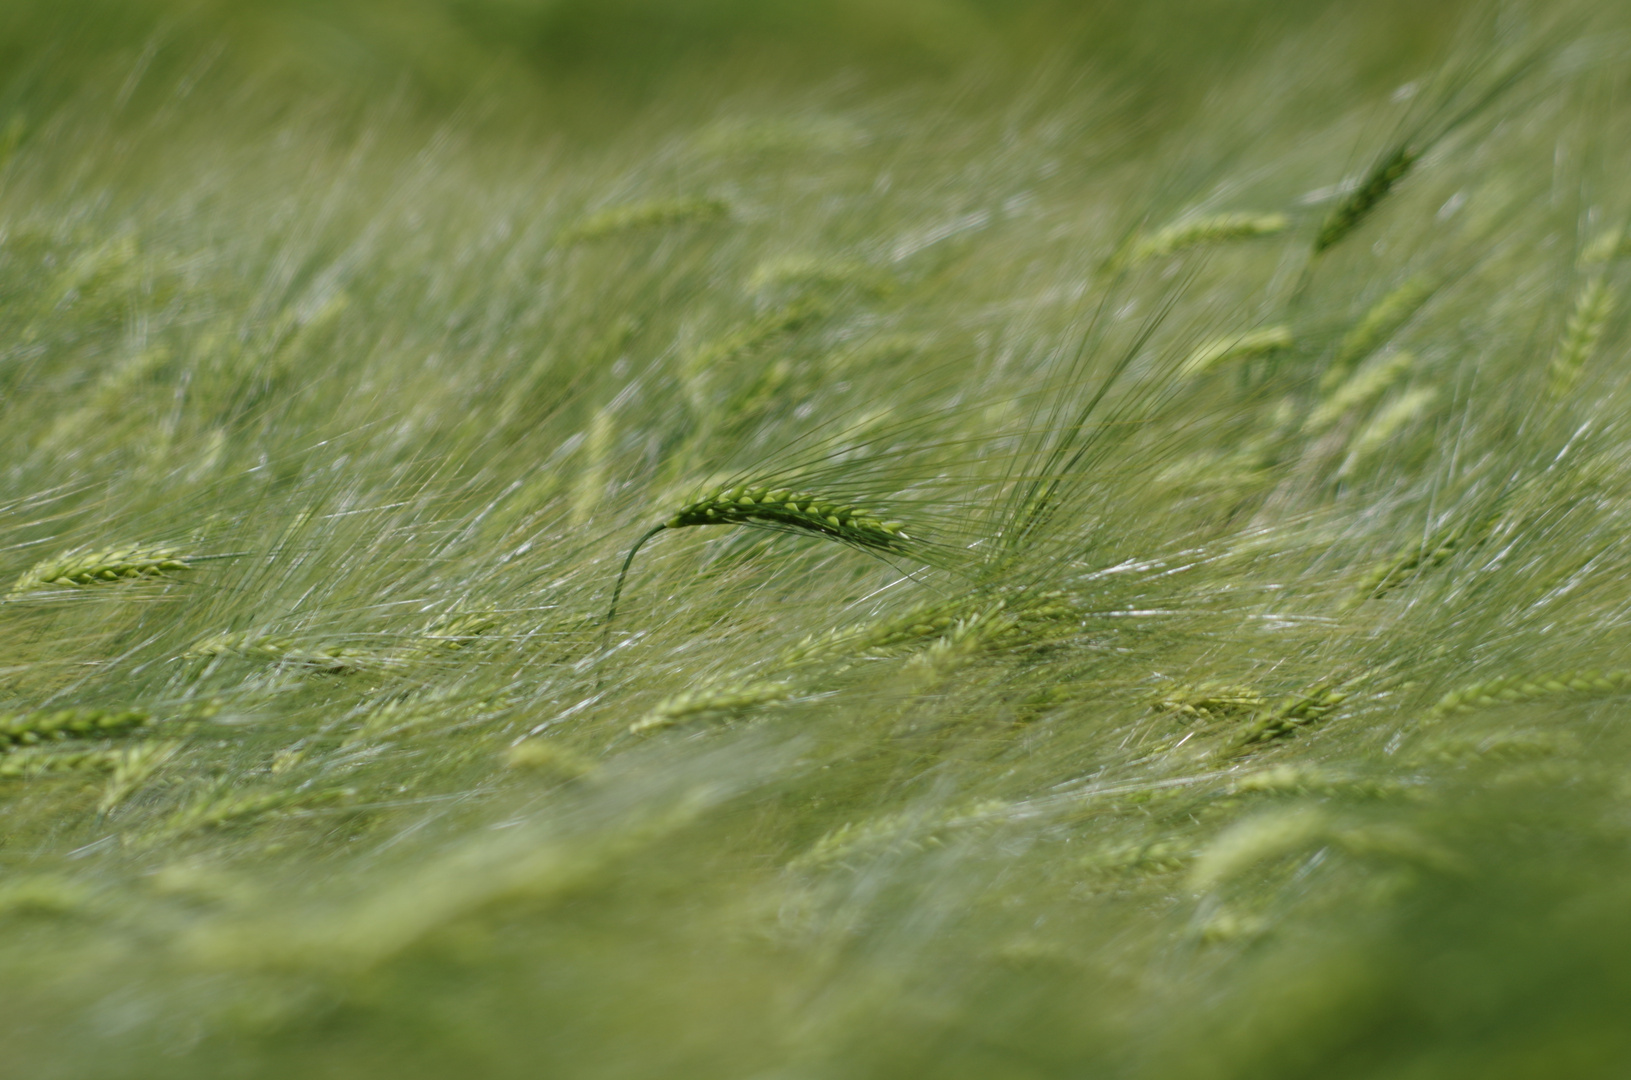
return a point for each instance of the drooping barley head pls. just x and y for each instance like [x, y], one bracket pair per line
[1351, 212]
[25, 729]
[83, 567]
[1204, 231]
[784, 510]
[1581, 336]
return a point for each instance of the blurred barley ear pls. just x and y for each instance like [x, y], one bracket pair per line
[1581, 336]
[83, 567]
[589, 488]
[1360, 203]
[1205, 231]
[641, 217]
[1374, 329]
[1244, 346]
[783, 509]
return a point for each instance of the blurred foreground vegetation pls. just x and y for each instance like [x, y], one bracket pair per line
[1247, 698]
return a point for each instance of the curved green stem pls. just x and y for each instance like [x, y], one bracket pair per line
[623, 573]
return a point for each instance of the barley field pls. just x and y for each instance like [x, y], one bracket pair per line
[973, 539]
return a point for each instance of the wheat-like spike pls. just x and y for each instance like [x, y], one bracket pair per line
[1211, 229]
[457, 631]
[1378, 324]
[889, 833]
[589, 490]
[640, 216]
[1396, 572]
[1293, 713]
[1362, 201]
[756, 332]
[1517, 689]
[1246, 346]
[1611, 245]
[133, 768]
[36, 761]
[1304, 780]
[83, 566]
[1437, 550]
[1210, 701]
[1387, 423]
[1140, 857]
[229, 808]
[778, 508]
[22, 729]
[1360, 391]
[992, 620]
[549, 758]
[1592, 309]
[697, 704]
[281, 650]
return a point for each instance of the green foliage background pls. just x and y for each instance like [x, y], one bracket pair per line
[1244, 712]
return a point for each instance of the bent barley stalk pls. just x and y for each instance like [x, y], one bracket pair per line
[1351, 212]
[82, 566]
[779, 508]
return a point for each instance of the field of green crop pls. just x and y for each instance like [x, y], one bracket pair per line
[1135, 579]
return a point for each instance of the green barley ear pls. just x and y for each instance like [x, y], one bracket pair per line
[26, 729]
[1581, 336]
[1378, 324]
[36, 761]
[84, 567]
[1516, 690]
[1612, 244]
[1439, 548]
[639, 217]
[699, 704]
[229, 807]
[1360, 203]
[285, 652]
[590, 489]
[1245, 346]
[1292, 715]
[783, 510]
[1387, 423]
[1205, 231]
[134, 767]
[1361, 391]
[544, 757]
[1210, 701]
